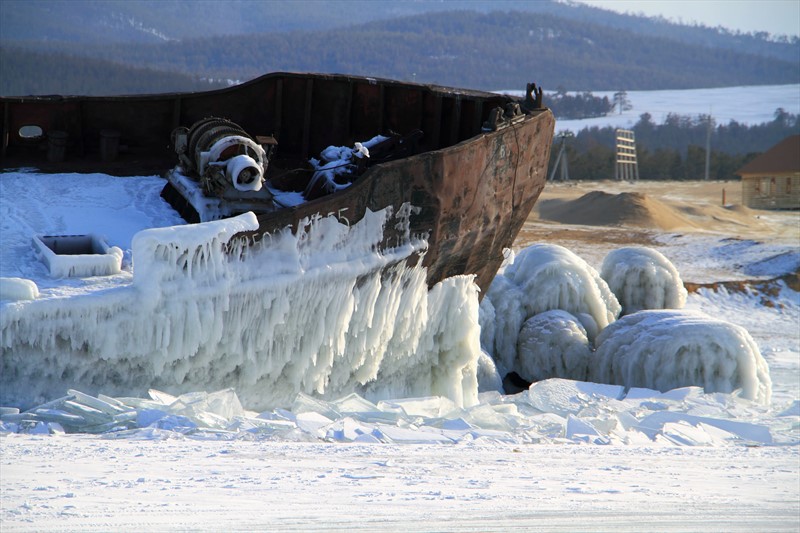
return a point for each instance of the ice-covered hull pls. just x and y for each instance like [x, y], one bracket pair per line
[386, 306]
[474, 186]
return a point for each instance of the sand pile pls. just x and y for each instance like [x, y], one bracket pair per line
[598, 208]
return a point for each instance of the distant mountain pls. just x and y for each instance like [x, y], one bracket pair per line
[22, 75]
[154, 21]
[483, 45]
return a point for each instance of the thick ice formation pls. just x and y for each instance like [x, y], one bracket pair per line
[642, 278]
[663, 350]
[509, 314]
[322, 311]
[542, 278]
[552, 277]
[14, 289]
[553, 344]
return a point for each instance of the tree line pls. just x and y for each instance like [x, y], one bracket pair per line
[676, 149]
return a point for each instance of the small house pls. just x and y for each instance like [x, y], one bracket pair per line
[772, 180]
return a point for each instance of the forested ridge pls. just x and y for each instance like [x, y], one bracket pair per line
[495, 50]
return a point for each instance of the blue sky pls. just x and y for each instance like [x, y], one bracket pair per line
[778, 17]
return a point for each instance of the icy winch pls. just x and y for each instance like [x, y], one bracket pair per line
[223, 155]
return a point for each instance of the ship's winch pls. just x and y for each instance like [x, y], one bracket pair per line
[222, 155]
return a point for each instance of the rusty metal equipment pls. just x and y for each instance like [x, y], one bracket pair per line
[222, 155]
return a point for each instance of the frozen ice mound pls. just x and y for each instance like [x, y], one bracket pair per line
[554, 411]
[553, 344]
[665, 349]
[642, 278]
[552, 277]
[544, 278]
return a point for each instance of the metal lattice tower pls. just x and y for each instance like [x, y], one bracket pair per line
[561, 158]
[627, 167]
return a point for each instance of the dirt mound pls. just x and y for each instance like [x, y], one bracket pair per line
[598, 208]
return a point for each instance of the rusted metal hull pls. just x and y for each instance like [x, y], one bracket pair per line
[474, 188]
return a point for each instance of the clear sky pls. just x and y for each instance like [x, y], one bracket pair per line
[778, 17]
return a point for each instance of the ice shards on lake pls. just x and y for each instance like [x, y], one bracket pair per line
[642, 278]
[664, 350]
[552, 411]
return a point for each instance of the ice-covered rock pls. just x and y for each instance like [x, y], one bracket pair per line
[642, 278]
[667, 349]
[552, 277]
[552, 344]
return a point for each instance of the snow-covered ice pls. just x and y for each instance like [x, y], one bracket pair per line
[748, 105]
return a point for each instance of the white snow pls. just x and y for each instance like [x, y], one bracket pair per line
[748, 105]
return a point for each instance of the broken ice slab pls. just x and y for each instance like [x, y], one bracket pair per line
[563, 396]
[303, 403]
[347, 430]
[581, 430]
[411, 435]
[426, 407]
[487, 417]
[312, 423]
[111, 407]
[792, 410]
[654, 424]
[364, 410]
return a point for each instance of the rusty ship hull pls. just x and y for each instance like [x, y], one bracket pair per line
[473, 186]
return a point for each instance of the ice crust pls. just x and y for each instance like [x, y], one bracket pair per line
[320, 311]
[642, 278]
[666, 349]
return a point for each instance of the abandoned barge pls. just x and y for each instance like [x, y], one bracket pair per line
[471, 163]
[354, 272]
